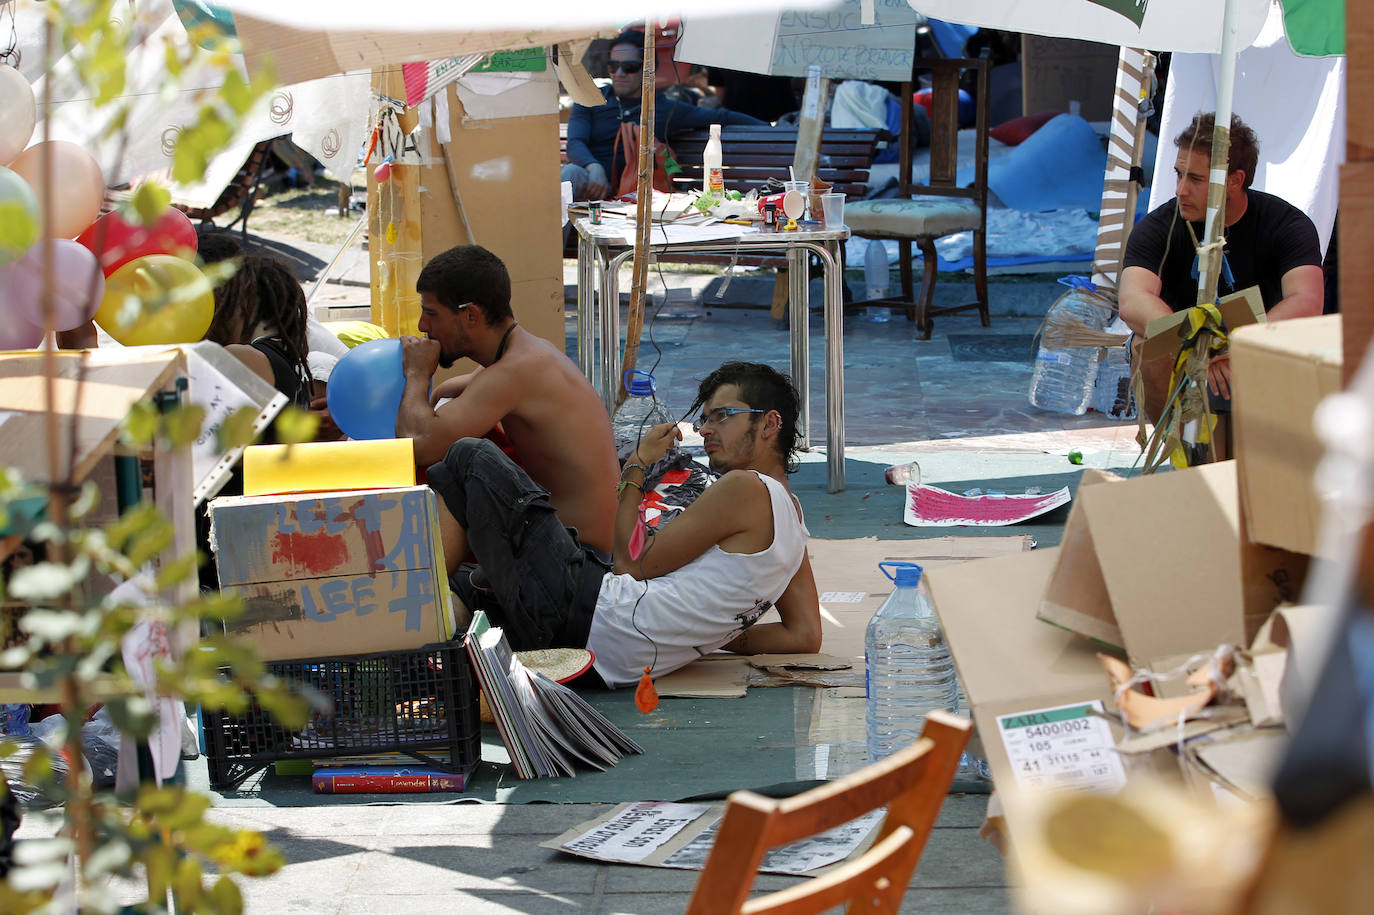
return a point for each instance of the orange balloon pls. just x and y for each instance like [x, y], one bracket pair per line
[158, 299]
[78, 187]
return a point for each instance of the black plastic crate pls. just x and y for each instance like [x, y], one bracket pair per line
[418, 702]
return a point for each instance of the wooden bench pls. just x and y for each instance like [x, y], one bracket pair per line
[752, 155]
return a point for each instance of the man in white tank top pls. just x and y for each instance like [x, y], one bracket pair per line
[700, 584]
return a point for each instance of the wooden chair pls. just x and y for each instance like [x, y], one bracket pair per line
[911, 783]
[239, 194]
[923, 213]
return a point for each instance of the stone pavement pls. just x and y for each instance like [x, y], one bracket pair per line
[956, 402]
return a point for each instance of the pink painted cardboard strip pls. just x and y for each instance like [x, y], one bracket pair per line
[930, 506]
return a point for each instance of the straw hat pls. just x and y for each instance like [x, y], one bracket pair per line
[559, 664]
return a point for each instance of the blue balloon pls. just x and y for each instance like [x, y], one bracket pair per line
[365, 388]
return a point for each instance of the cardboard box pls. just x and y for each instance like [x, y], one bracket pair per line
[334, 574]
[1056, 72]
[1009, 662]
[1180, 575]
[1025, 679]
[1281, 371]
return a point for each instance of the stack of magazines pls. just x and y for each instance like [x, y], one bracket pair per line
[546, 727]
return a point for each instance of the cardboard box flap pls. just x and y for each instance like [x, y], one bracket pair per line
[1169, 551]
[1005, 656]
[1239, 309]
[1076, 597]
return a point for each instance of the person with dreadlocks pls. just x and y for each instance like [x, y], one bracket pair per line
[267, 310]
[703, 583]
[1269, 243]
[243, 299]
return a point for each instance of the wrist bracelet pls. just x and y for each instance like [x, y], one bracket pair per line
[623, 483]
[642, 469]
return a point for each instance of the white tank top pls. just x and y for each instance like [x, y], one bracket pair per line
[697, 608]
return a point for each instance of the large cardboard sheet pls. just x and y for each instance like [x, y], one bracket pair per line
[847, 572]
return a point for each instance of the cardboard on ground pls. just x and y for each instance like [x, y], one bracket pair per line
[1237, 310]
[1159, 565]
[334, 574]
[1279, 373]
[840, 565]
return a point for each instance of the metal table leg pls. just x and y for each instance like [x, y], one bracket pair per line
[834, 366]
[797, 293]
[586, 308]
[610, 328]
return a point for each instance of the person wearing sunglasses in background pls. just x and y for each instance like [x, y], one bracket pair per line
[592, 165]
[701, 584]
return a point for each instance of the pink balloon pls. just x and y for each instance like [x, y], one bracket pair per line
[15, 331]
[78, 187]
[78, 285]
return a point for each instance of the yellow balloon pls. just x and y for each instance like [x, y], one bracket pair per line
[157, 299]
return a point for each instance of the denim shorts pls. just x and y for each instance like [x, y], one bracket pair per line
[533, 578]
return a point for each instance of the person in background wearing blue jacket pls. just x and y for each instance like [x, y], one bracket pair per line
[592, 131]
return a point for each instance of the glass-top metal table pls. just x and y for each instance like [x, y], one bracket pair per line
[602, 249]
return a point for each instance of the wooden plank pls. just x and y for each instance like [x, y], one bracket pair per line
[1359, 71]
[811, 129]
[1356, 229]
[1356, 210]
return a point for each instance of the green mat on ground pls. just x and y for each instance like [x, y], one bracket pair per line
[693, 748]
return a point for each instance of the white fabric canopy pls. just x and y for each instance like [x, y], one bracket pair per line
[306, 39]
[329, 117]
[1295, 105]
[1165, 25]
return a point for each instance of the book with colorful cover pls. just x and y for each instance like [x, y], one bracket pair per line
[386, 780]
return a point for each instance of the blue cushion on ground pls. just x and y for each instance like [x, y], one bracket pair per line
[1059, 166]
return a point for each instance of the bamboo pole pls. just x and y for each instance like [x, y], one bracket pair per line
[644, 193]
[393, 229]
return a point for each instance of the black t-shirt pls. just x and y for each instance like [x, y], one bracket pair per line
[1271, 238]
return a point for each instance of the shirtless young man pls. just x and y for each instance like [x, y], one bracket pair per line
[548, 411]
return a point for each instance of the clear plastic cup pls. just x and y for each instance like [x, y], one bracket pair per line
[902, 474]
[801, 187]
[832, 208]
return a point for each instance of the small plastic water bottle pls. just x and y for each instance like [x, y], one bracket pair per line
[909, 669]
[876, 279]
[640, 411]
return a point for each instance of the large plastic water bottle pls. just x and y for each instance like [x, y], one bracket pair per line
[1064, 378]
[1112, 392]
[876, 278]
[910, 670]
[640, 411]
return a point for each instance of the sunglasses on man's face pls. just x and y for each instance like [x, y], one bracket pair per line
[627, 66]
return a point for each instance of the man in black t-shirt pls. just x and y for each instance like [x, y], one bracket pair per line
[1269, 243]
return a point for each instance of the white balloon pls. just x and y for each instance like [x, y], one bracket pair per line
[18, 113]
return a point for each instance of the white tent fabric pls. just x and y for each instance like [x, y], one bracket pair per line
[328, 117]
[1164, 25]
[306, 39]
[1295, 105]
